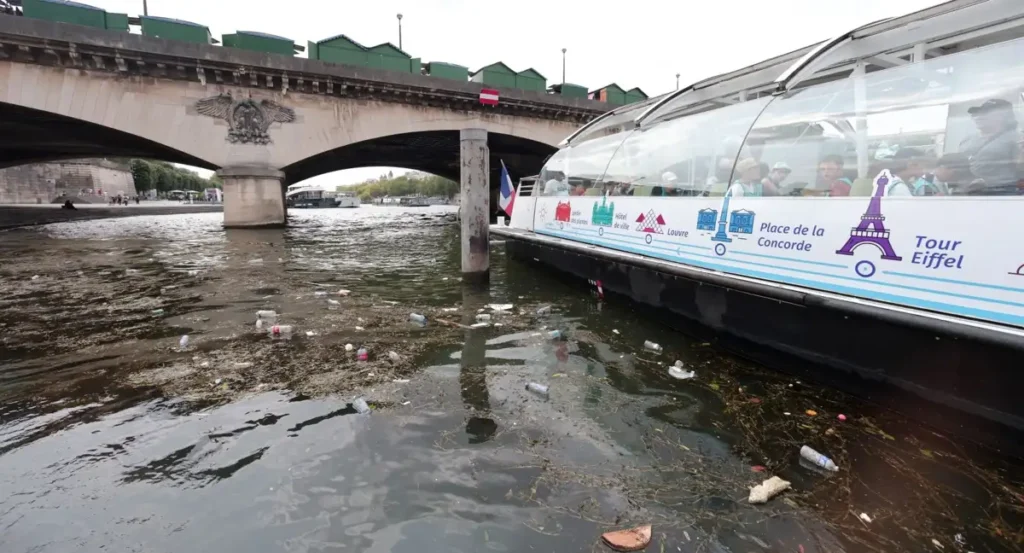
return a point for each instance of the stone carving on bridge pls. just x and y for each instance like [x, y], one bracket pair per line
[247, 119]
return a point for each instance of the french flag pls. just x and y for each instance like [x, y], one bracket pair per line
[507, 191]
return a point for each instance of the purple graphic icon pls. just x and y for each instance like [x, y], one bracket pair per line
[871, 230]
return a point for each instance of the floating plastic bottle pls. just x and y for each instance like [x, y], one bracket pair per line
[183, 343]
[259, 324]
[320, 293]
[554, 334]
[360, 405]
[538, 389]
[544, 310]
[818, 459]
[483, 317]
[417, 318]
[394, 357]
[362, 354]
[652, 346]
[281, 330]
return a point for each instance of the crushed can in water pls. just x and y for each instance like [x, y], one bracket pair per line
[652, 346]
[538, 389]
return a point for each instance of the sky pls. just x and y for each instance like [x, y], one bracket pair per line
[642, 43]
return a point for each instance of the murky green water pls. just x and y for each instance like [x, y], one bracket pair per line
[113, 438]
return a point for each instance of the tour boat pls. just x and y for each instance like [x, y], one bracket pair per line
[855, 204]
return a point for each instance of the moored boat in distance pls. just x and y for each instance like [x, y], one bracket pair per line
[303, 196]
[347, 200]
[853, 205]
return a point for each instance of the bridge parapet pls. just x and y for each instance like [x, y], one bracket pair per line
[34, 41]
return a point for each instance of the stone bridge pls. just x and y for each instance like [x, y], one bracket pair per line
[263, 121]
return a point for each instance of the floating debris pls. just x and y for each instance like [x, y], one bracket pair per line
[538, 389]
[633, 539]
[818, 459]
[811, 413]
[500, 306]
[653, 346]
[768, 489]
[865, 517]
[360, 405]
[680, 374]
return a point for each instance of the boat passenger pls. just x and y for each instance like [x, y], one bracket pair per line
[830, 172]
[952, 173]
[772, 184]
[994, 150]
[749, 181]
[556, 187]
[909, 165]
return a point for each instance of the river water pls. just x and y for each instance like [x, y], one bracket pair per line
[113, 437]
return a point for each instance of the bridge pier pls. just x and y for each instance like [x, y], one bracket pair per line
[253, 197]
[474, 202]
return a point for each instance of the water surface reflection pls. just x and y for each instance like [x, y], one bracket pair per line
[112, 438]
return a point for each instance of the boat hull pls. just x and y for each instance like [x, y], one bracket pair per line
[929, 368]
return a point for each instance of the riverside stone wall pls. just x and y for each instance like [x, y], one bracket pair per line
[88, 180]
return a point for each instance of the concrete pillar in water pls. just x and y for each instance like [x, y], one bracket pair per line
[474, 201]
[253, 197]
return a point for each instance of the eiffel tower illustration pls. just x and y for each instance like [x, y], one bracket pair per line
[871, 229]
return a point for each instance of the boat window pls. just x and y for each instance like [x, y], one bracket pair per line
[575, 170]
[946, 126]
[687, 156]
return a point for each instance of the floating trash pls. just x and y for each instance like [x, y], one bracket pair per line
[500, 306]
[538, 389]
[483, 317]
[652, 346]
[818, 459]
[768, 489]
[362, 354]
[360, 405]
[320, 293]
[417, 318]
[394, 357]
[633, 539]
[811, 413]
[344, 292]
[544, 310]
[183, 342]
[865, 517]
[680, 374]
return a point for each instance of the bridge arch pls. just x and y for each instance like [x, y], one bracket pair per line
[433, 151]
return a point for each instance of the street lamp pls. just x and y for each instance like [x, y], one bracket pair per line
[145, 8]
[563, 65]
[399, 31]
[677, 81]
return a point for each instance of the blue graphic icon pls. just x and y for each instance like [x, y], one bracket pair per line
[741, 221]
[706, 219]
[721, 236]
[865, 269]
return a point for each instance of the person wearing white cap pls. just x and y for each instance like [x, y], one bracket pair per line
[772, 184]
